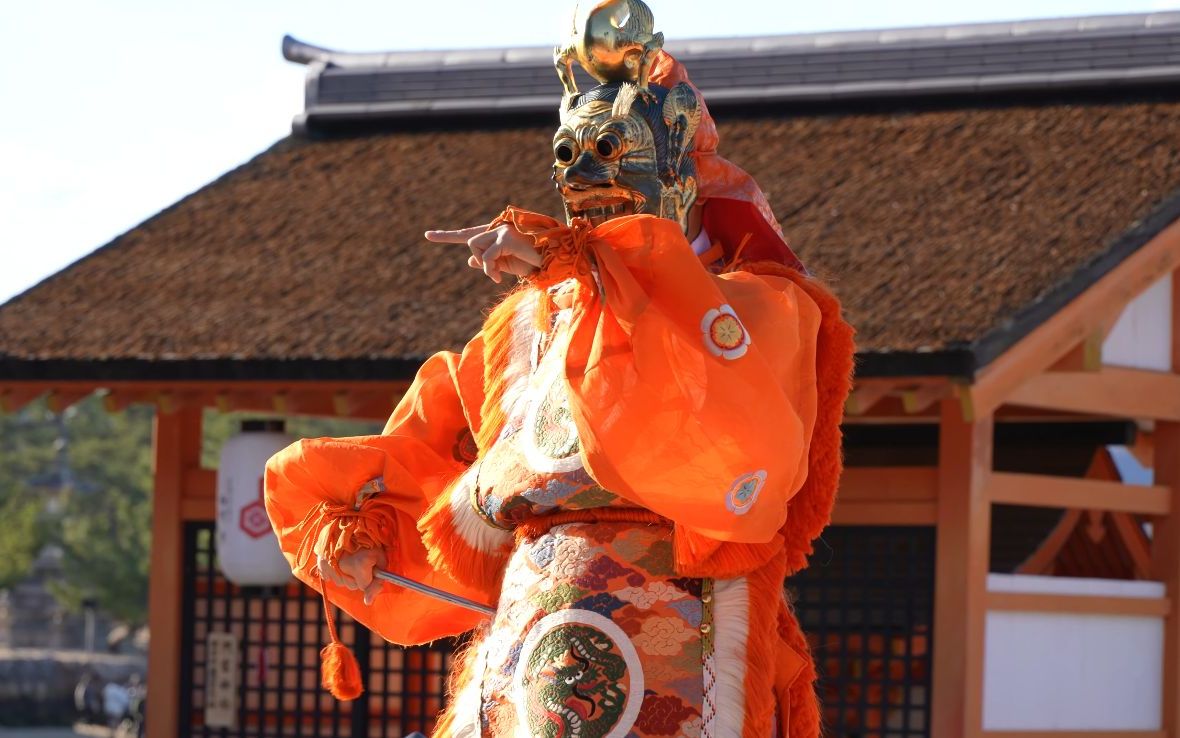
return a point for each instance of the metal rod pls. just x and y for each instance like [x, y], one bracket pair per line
[437, 594]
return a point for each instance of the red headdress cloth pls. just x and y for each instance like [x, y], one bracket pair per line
[735, 210]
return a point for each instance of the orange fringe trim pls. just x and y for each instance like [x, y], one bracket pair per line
[696, 555]
[797, 698]
[446, 549]
[497, 340]
[810, 509]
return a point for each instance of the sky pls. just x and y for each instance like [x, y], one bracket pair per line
[114, 110]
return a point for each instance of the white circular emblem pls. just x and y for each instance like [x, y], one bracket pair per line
[724, 334]
[579, 669]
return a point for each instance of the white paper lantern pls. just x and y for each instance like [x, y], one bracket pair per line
[247, 548]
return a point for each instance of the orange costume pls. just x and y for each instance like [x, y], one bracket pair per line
[626, 462]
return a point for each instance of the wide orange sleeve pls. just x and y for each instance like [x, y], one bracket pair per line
[694, 394]
[332, 496]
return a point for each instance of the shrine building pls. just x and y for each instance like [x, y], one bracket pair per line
[997, 207]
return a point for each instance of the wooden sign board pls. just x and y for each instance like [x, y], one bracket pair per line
[223, 663]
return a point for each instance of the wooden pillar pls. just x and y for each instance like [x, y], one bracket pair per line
[964, 528]
[176, 448]
[1165, 545]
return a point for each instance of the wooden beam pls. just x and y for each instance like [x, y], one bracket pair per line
[199, 386]
[116, 401]
[1133, 537]
[200, 509]
[1079, 604]
[891, 411]
[199, 483]
[1165, 540]
[1069, 493]
[1144, 448]
[884, 513]
[964, 528]
[1113, 391]
[1041, 562]
[889, 483]
[199, 494]
[1078, 320]
[176, 447]
[1075, 733]
[366, 400]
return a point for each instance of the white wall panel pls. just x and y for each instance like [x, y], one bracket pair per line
[1048, 671]
[1142, 337]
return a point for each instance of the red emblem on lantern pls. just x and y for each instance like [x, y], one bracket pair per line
[253, 520]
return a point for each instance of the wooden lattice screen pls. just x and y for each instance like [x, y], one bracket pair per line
[279, 633]
[867, 605]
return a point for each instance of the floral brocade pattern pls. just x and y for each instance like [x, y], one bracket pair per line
[595, 636]
[534, 468]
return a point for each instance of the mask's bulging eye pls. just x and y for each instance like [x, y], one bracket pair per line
[564, 151]
[609, 145]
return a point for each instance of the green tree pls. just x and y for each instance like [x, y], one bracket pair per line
[26, 454]
[104, 527]
[22, 537]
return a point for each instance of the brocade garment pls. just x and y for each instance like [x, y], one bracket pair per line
[596, 467]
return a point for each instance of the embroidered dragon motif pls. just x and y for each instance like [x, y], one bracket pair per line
[575, 684]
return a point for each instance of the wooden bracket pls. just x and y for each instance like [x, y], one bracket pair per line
[59, 401]
[13, 401]
[966, 401]
[281, 402]
[1085, 357]
[919, 399]
[865, 396]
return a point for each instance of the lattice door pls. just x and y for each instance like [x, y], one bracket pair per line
[279, 633]
[867, 605]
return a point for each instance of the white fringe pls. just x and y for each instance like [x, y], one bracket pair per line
[521, 349]
[472, 528]
[731, 626]
[469, 702]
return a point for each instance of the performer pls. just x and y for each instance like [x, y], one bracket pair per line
[625, 463]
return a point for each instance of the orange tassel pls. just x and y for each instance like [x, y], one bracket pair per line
[340, 673]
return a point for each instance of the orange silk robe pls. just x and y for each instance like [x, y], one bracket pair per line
[611, 463]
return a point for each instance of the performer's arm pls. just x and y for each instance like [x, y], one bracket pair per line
[342, 506]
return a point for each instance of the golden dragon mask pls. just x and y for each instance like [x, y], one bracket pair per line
[622, 147]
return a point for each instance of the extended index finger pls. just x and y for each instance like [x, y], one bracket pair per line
[463, 235]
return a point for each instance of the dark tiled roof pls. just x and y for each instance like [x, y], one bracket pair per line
[984, 58]
[947, 233]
